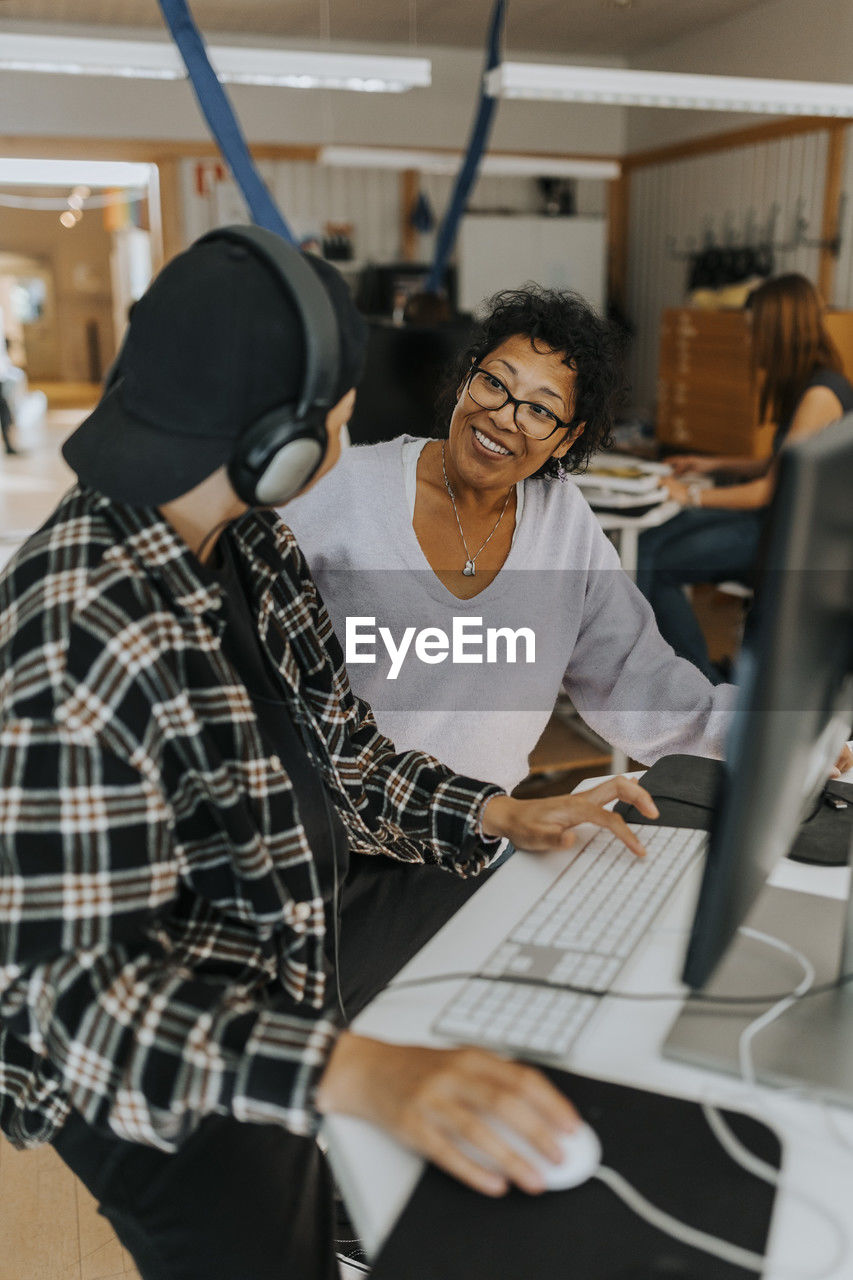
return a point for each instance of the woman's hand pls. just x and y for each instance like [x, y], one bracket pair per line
[676, 489]
[843, 763]
[696, 463]
[546, 824]
[439, 1102]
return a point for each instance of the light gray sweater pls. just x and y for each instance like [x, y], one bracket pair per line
[474, 682]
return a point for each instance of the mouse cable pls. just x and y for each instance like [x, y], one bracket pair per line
[689, 997]
[739, 1152]
[720, 1127]
[751, 1163]
[733, 1254]
[352, 1262]
[782, 1005]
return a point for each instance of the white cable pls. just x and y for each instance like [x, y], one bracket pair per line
[734, 1148]
[751, 1163]
[720, 1128]
[721, 1249]
[739, 1153]
[747, 1067]
[351, 1262]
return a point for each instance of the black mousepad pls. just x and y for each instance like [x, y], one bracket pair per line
[687, 791]
[661, 1145]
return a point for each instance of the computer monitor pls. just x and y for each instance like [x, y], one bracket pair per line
[794, 711]
[405, 367]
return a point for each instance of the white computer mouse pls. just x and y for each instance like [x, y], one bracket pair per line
[581, 1156]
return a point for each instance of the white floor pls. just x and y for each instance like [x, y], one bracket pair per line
[33, 480]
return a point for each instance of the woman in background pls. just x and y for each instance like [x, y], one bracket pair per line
[717, 535]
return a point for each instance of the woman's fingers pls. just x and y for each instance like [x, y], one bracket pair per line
[616, 823]
[625, 789]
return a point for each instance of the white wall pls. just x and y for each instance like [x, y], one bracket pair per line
[310, 195]
[438, 116]
[783, 39]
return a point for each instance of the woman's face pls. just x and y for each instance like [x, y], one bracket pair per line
[485, 447]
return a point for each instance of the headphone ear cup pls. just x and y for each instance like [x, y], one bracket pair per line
[277, 457]
[288, 470]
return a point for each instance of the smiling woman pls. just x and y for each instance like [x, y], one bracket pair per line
[475, 532]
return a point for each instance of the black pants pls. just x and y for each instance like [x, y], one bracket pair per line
[254, 1202]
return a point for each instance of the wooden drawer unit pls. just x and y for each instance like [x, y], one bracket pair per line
[707, 396]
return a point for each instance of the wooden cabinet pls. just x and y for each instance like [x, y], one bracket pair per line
[707, 395]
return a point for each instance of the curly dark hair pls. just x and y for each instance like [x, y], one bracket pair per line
[554, 320]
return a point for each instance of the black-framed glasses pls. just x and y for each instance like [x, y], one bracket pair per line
[531, 418]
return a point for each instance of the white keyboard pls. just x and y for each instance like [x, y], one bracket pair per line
[581, 931]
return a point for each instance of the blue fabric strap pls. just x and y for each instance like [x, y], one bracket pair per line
[477, 144]
[219, 114]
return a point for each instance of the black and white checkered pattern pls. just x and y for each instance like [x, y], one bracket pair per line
[161, 916]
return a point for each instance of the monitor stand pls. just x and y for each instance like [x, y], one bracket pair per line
[811, 1045]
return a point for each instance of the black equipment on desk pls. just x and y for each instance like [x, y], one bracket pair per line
[404, 370]
[384, 287]
[687, 791]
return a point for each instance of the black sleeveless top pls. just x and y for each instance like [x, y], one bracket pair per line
[836, 382]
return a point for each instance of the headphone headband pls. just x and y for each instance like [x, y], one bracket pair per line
[276, 456]
[305, 290]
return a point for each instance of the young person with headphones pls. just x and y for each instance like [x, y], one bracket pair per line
[189, 791]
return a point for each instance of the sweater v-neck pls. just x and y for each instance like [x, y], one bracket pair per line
[403, 536]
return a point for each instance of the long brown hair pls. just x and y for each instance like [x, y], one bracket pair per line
[789, 342]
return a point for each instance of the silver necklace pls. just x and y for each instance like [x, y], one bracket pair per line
[470, 560]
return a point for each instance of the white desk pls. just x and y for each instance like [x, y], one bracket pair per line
[626, 529]
[377, 1175]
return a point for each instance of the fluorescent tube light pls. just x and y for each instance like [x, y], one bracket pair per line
[558, 83]
[449, 162]
[533, 167]
[159, 60]
[73, 173]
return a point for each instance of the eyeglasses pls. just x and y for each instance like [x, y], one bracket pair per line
[532, 419]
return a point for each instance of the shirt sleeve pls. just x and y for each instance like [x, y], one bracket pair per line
[426, 799]
[629, 685]
[409, 791]
[139, 1035]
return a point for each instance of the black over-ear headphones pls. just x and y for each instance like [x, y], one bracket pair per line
[277, 455]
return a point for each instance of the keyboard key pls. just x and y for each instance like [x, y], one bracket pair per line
[579, 932]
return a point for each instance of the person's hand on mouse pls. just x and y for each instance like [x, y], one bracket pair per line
[439, 1102]
[540, 825]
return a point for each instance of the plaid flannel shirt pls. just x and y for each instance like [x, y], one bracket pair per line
[161, 916]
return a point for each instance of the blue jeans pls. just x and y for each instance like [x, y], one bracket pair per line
[696, 546]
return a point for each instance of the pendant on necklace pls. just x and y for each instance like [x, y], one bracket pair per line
[469, 569]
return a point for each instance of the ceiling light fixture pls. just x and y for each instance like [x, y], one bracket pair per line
[449, 162]
[80, 174]
[234, 64]
[557, 83]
